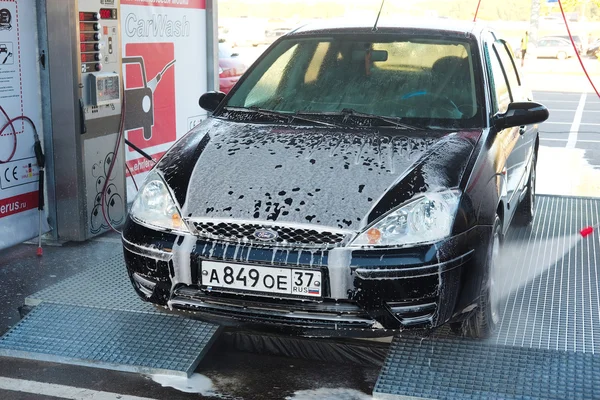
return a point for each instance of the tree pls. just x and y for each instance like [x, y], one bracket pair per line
[576, 5]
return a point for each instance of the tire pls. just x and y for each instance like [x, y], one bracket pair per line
[561, 55]
[526, 208]
[484, 319]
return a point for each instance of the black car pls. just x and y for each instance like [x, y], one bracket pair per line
[355, 181]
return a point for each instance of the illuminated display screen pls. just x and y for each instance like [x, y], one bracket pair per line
[108, 13]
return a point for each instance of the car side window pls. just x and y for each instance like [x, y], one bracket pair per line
[509, 65]
[499, 86]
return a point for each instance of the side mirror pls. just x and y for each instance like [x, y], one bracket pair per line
[521, 113]
[211, 100]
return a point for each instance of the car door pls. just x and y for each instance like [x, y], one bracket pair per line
[508, 138]
[555, 47]
[519, 159]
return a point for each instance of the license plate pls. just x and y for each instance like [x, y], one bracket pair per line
[261, 279]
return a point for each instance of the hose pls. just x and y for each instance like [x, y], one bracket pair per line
[14, 132]
[476, 11]
[577, 51]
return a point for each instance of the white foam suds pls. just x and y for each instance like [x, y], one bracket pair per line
[195, 384]
[329, 394]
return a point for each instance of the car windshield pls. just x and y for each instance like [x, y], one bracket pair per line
[428, 81]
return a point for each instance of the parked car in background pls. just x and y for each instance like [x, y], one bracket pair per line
[355, 182]
[576, 39]
[272, 35]
[243, 32]
[549, 47]
[231, 68]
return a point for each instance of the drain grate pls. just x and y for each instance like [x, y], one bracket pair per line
[110, 339]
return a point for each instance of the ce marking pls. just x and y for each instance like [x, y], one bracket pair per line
[14, 174]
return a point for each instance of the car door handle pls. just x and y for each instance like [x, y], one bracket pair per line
[522, 130]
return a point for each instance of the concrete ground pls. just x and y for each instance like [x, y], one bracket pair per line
[569, 163]
[235, 375]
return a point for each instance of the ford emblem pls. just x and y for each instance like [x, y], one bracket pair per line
[265, 235]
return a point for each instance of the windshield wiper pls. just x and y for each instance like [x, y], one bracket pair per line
[395, 121]
[279, 114]
[349, 112]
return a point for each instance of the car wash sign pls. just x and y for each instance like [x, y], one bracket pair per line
[164, 67]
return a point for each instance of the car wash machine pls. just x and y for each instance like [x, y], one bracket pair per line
[86, 180]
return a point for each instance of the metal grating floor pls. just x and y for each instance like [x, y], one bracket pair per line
[94, 318]
[553, 279]
[103, 285]
[445, 368]
[549, 333]
[111, 339]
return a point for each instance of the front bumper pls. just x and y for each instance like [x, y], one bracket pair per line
[365, 292]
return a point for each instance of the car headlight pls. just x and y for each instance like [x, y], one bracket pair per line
[155, 206]
[427, 218]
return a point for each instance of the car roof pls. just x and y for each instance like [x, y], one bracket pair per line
[575, 37]
[429, 24]
[558, 38]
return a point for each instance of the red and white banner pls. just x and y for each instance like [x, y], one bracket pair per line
[19, 95]
[195, 4]
[164, 67]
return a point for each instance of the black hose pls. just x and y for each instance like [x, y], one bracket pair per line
[41, 190]
[142, 152]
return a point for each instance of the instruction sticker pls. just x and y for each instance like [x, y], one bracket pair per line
[10, 69]
[19, 172]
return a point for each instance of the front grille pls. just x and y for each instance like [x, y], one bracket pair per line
[286, 236]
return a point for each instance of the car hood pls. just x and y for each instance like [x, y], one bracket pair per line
[334, 177]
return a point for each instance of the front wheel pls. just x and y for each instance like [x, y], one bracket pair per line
[561, 55]
[484, 319]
